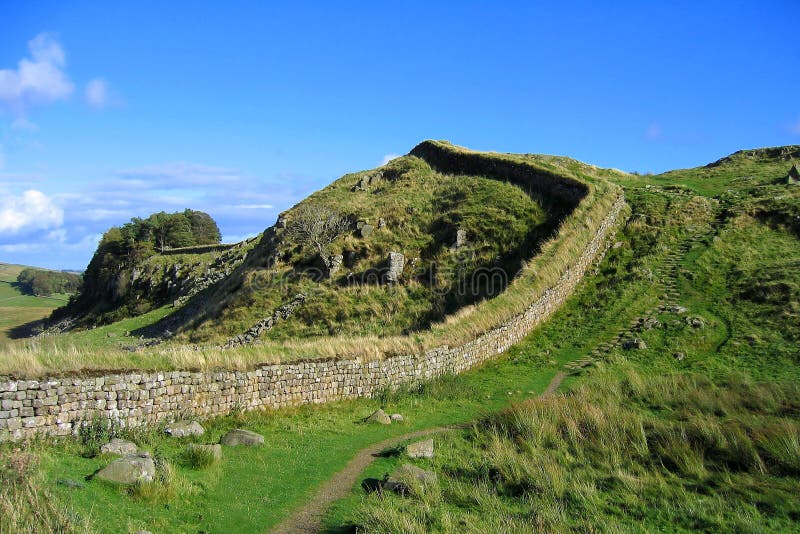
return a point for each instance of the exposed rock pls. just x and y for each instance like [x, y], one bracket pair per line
[281, 222]
[677, 309]
[380, 417]
[618, 244]
[381, 223]
[119, 446]
[634, 344]
[254, 332]
[180, 429]
[695, 322]
[396, 262]
[404, 476]
[131, 469]
[240, 436]
[366, 230]
[396, 417]
[420, 449]
[215, 449]
[461, 238]
[334, 264]
[679, 356]
[794, 175]
[648, 323]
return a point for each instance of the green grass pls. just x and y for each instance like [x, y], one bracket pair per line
[642, 441]
[645, 441]
[18, 308]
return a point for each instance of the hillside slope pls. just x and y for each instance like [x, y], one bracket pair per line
[684, 417]
[18, 307]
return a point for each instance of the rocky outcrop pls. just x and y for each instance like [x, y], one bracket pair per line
[120, 447]
[395, 263]
[240, 436]
[255, 331]
[181, 429]
[132, 469]
[420, 449]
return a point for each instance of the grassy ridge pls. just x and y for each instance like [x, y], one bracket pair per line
[613, 454]
[535, 276]
[708, 441]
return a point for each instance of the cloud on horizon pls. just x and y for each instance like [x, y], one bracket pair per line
[29, 212]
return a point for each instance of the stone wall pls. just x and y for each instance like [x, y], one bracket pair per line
[57, 405]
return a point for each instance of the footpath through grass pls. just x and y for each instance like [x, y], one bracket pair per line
[695, 426]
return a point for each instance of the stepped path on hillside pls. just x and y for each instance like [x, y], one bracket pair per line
[666, 275]
[309, 518]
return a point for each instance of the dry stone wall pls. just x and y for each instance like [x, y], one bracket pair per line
[57, 405]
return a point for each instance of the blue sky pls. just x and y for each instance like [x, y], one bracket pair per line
[110, 110]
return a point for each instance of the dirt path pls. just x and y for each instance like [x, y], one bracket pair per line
[309, 518]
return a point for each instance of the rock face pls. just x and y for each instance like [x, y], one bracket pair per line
[679, 356]
[131, 469]
[794, 175]
[461, 238]
[379, 417]
[119, 446]
[634, 344]
[215, 450]
[283, 312]
[241, 437]
[695, 322]
[396, 417]
[406, 475]
[420, 449]
[395, 264]
[366, 230]
[334, 264]
[180, 429]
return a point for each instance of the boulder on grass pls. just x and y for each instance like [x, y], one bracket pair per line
[380, 417]
[402, 479]
[180, 429]
[240, 436]
[120, 447]
[396, 418]
[131, 469]
[420, 449]
[634, 344]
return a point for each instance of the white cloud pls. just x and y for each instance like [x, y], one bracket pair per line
[654, 132]
[33, 210]
[97, 94]
[389, 157]
[39, 79]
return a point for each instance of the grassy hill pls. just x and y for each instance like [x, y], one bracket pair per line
[680, 412]
[18, 307]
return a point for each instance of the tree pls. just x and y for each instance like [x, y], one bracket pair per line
[316, 225]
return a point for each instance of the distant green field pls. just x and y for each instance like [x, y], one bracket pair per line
[17, 308]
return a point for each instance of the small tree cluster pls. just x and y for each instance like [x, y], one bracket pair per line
[44, 283]
[171, 230]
